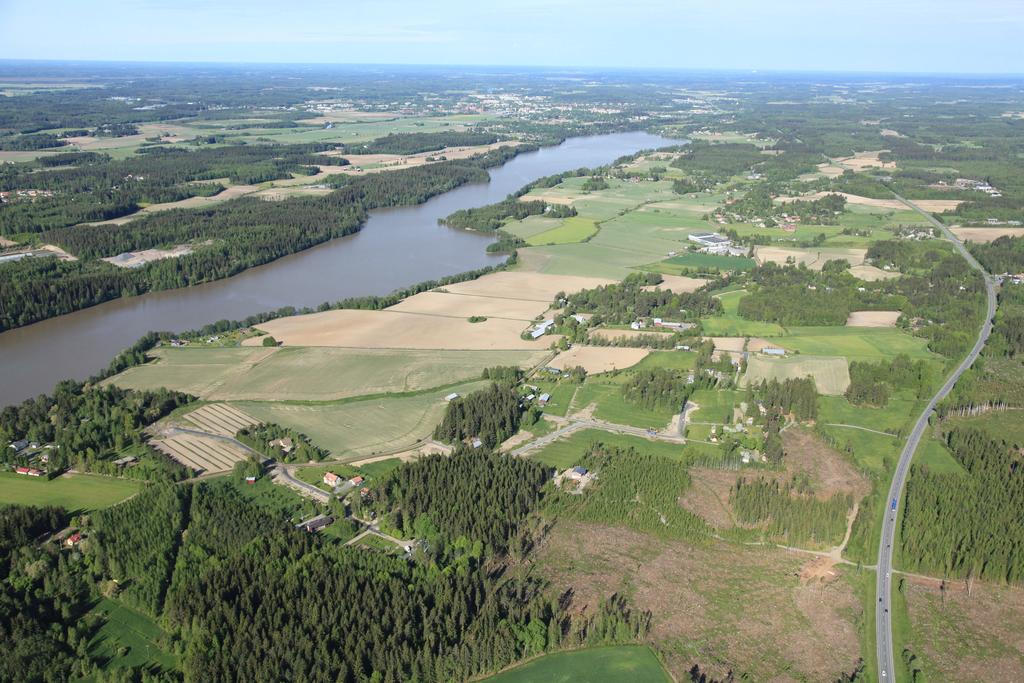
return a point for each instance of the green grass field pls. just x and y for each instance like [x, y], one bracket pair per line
[575, 229]
[310, 373]
[730, 324]
[606, 392]
[831, 375]
[715, 406]
[566, 452]
[702, 261]
[671, 360]
[854, 343]
[128, 639]
[359, 428]
[614, 664]
[75, 492]
[561, 395]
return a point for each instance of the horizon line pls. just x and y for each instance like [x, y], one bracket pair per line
[538, 67]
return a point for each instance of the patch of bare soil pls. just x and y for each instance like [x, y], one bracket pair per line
[708, 496]
[872, 318]
[986, 235]
[968, 637]
[829, 471]
[723, 607]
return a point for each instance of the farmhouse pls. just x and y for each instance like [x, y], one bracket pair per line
[332, 479]
[250, 480]
[73, 540]
[544, 398]
[576, 472]
[125, 461]
[19, 445]
[316, 524]
[356, 480]
[285, 444]
[30, 471]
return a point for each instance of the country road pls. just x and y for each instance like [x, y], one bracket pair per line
[574, 425]
[883, 581]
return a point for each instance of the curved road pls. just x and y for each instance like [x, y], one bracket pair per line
[883, 586]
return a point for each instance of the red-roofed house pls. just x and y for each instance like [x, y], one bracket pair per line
[332, 479]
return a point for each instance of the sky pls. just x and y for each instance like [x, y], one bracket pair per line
[903, 36]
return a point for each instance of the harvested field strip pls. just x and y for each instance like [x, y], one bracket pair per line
[202, 455]
[228, 417]
[173, 450]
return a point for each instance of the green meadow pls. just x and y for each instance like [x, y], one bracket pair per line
[129, 638]
[575, 229]
[75, 492]
[566, 452]
[614, 664]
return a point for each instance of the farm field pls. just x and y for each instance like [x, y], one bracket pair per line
[218, 418]
[814, 258]
[76, 492]
[528, 286]
[592, 665]
[872, 318]
[394, 330]
[871, 273]
[574, 229]
[352, 429]
[311, 373]
[466, 305]
[566, 452]
[985, 235]
[789, 627]
[598, 359]
[132, 632]
[831, 375]
[673, 360]
[200, 453]
[854, 343]
[196, 371]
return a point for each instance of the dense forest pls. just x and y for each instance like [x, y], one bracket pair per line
[967, 524]
[871, 384]
[491, 217]
[135, 543]
[491, 415]
[227, 238]
[89, 426]
[414, 143]
[622, 303]
[438, 498]
[1002, 255]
